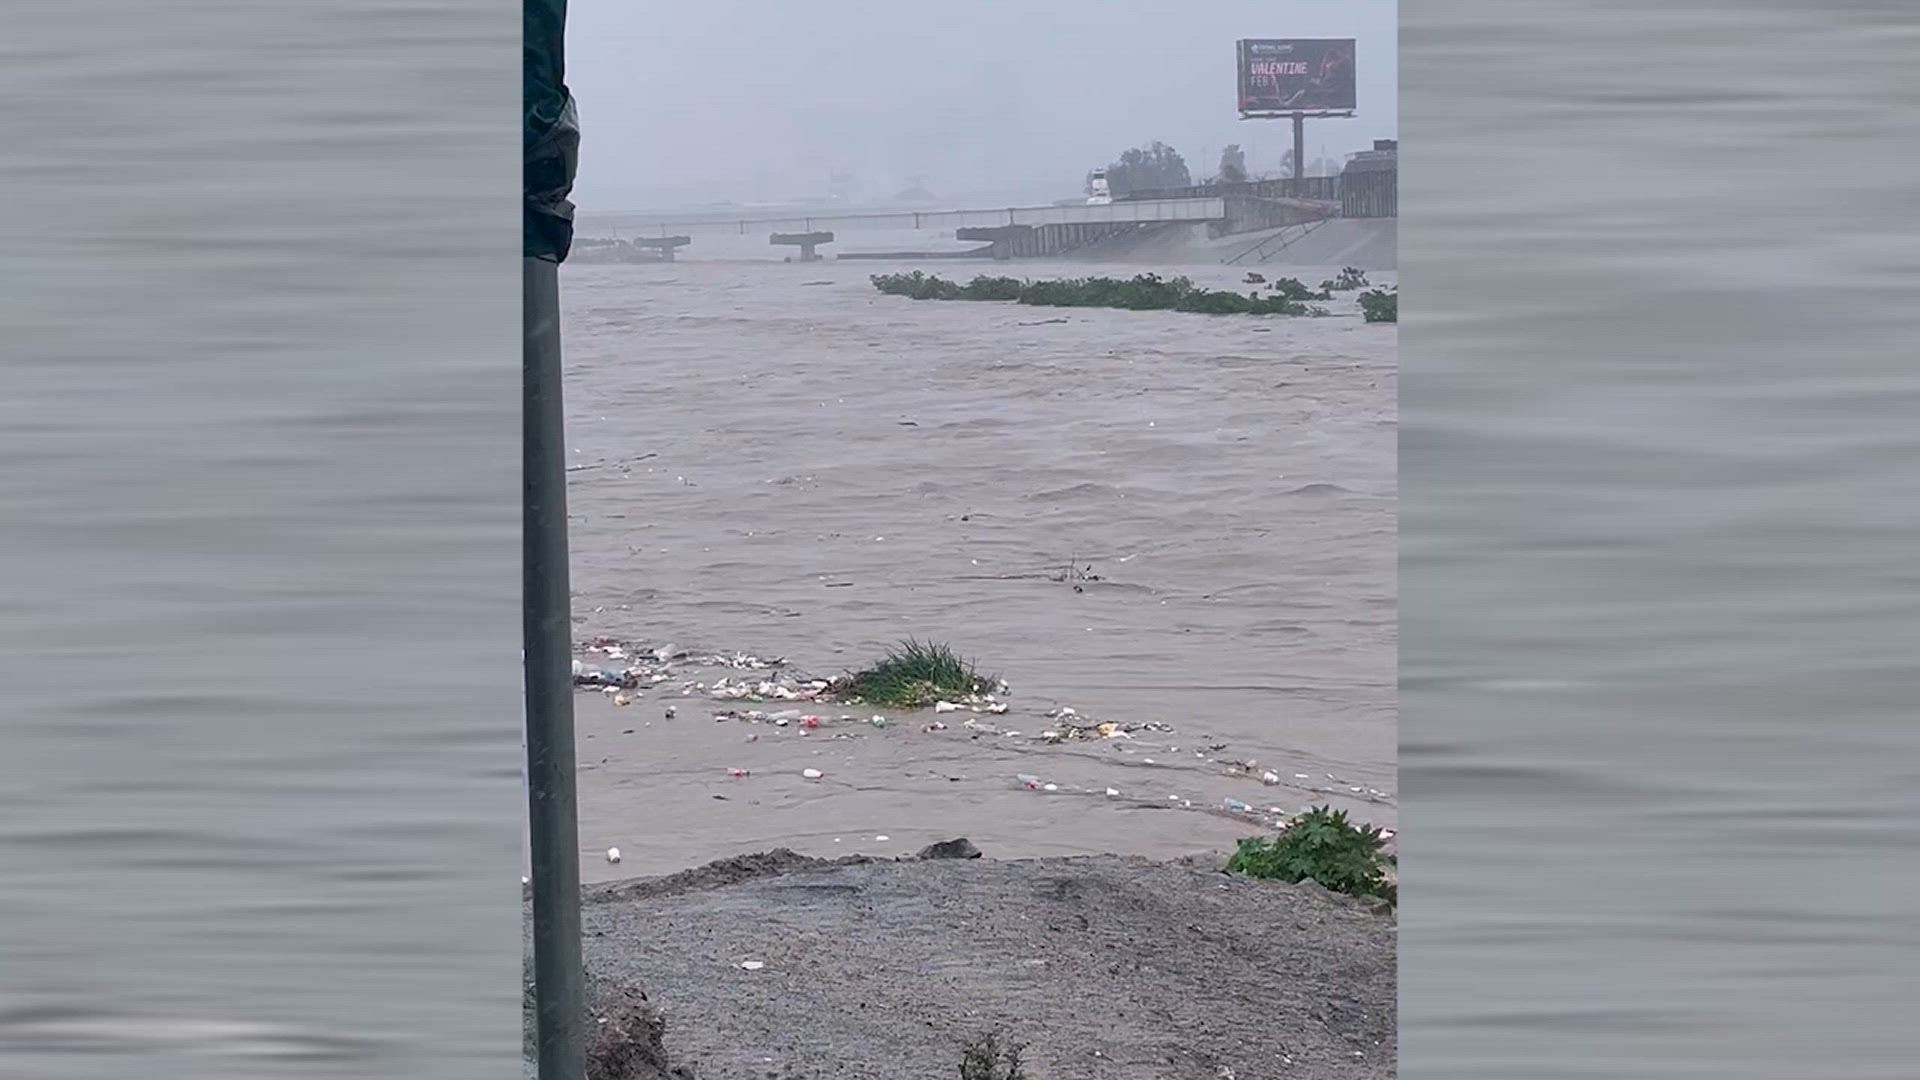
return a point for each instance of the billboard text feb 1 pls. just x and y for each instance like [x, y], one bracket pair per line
[1296, 75]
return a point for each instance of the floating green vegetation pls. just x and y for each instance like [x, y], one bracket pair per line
[1295, 289]
[1146, 292]
[1381, 305]
[915, 675]
[1350, 278]
[1323, 845]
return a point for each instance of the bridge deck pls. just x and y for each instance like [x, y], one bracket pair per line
[1143, 211]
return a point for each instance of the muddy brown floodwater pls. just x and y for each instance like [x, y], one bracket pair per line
[779, 460]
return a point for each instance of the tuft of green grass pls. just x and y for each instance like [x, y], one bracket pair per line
[1381, 305]
[987, 1058]
[915, 675]
[1323, 845]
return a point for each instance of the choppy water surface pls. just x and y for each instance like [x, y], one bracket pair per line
[257, 794]
[779, 459]
[1660, 500]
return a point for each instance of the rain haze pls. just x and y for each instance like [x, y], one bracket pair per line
[750, 101]
[1139, 468]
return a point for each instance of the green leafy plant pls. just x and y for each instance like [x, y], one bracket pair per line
[1323, 845]
[1381, 305]
[915, 675]
[987, 1058]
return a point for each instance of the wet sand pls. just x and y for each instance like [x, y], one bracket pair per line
[777, 459]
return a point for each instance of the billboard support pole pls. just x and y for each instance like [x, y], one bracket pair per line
[1299, 153]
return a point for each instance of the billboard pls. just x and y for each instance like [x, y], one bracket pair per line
[1296, 75]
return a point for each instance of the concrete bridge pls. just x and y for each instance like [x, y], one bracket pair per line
[1145, 211]
[1012, 232]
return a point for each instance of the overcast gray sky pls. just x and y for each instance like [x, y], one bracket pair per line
[686, 102]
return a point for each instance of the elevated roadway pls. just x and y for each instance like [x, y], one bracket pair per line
[1142, 212]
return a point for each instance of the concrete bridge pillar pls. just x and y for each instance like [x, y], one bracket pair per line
[807, 242]
[665, 246]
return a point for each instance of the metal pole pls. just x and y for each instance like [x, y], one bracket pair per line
[553, 825]
[1299, 154]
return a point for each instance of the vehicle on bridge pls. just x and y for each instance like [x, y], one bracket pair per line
[1099, 194]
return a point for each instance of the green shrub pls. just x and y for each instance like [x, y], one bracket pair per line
[1381, 305]
[1323, 845]
[913, 676]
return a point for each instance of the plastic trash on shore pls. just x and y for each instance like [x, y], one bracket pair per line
[1027, 781]
[812, 774]
[613, 854]
[1235, 805]
[600, 677]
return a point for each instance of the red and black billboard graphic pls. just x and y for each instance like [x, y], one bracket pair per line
[1296, 75]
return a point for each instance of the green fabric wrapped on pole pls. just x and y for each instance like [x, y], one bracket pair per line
[550, 133]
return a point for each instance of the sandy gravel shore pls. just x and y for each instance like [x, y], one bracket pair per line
[1109, 968]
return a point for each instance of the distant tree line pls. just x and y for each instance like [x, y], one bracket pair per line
[1158, 167]
[1148, 168]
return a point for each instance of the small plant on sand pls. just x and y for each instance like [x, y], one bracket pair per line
[913, 676]
[1323, 845]
[987, 1058]
[1381, 305]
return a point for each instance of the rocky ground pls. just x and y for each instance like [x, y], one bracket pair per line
[1107, 968]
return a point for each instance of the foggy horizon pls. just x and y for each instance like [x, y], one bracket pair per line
[748, 101]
